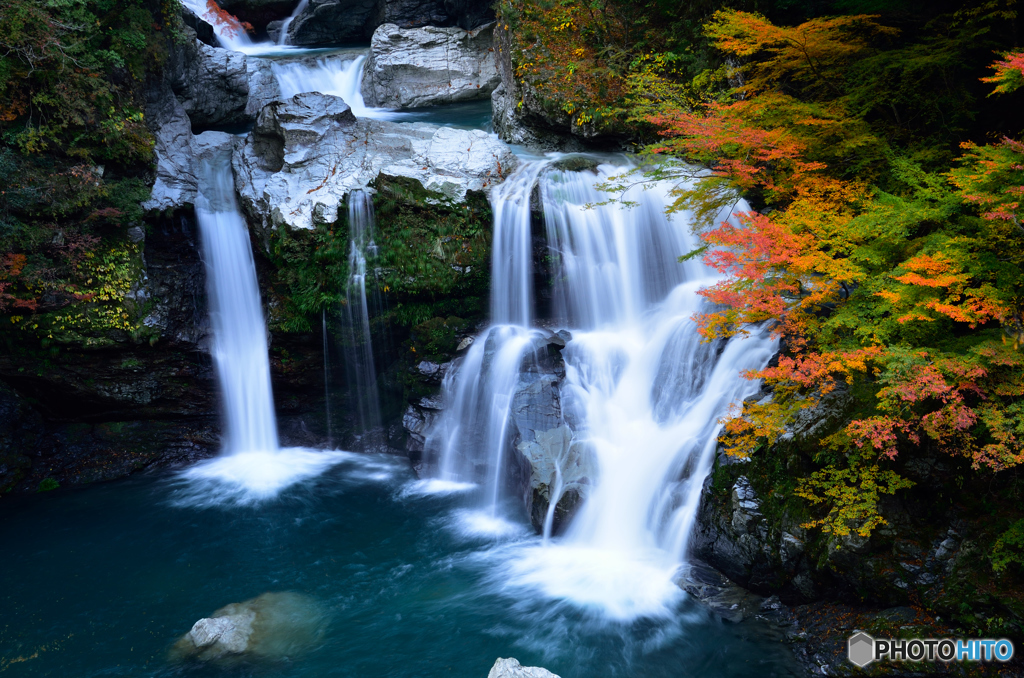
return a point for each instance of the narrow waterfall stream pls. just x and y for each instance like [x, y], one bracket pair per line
[252, 467]
[236, 315]
[359, 363]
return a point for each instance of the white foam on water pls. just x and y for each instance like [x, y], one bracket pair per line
[617, 585]
[436, 486]
[643, 393]
[247, 478]
[473, 523]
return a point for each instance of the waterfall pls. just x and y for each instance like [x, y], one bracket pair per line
[252, 467]
[230, 32]
[644, 392]
[359, 363]
[478, 396]
[239, 332]
[338, 77]
[286, 24]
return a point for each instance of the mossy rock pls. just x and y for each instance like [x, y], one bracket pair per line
[576, 163]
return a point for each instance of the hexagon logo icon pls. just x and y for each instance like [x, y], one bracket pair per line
[860, 649]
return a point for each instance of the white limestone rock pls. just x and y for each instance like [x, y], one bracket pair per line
[412, 67]
[178, 154]
[305, 154]
[273, 625]
[224, 635]
[511, 668]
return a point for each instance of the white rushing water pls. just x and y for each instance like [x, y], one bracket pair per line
[359, 363]
[644, 393]
[230, 33]
[252, 467]
[239, 332]
[337, 76]
[286, 24]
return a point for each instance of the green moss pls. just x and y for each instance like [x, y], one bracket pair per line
[47, 484]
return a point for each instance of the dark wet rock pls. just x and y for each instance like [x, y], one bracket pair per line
[550, 463]
[733, 536]
[333, 22]
[717, 592]
[259, 13]
[469, 14]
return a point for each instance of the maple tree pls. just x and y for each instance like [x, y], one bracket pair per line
[864, 261]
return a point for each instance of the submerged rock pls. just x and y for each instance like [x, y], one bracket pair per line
[428, 66]
[305, 154]
[511, 668]
[271, 626]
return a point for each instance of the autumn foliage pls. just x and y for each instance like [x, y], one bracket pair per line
[884, 270]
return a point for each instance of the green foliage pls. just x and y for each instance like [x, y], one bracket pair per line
[71, 74]
[434, 254]
[437, 336]
[74, 158]
[47, 485]
[1009, 549]
[432, 260]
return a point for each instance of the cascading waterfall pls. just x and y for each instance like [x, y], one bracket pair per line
[253, 467]
[646, 392]
[229, 31]
[282, 39]
[359, 363]
[478, 396]
[338, 77]
[240, 350]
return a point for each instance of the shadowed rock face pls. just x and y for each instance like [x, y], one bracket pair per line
[553, 465]
[218, 87]
[304, 155]
[334, 22]
[428, 66]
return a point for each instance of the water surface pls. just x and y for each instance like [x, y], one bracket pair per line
[100, 581]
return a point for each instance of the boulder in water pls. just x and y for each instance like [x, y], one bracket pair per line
[411, 67]
[307, 153]
[271, 626]
[511, 668]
